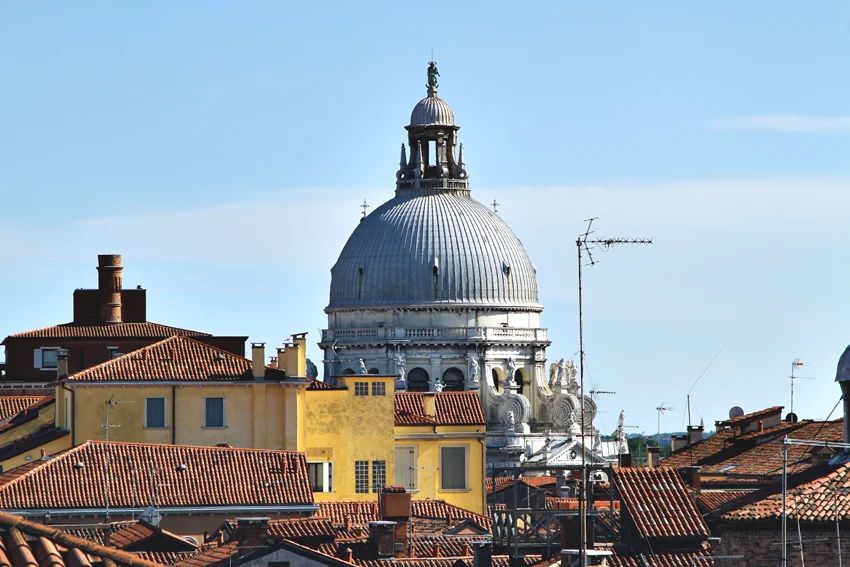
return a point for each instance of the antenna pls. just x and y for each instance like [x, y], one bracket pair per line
[661, 408]
[107, 427]
[794, 364]
[584, 242]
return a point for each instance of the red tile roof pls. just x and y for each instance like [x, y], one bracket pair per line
[422, 514]
[813, 501]
[213, 476]
[27, 544]
[12, 405]
[165, 557]
[115, 331]
[674, 559]
[766, 459]
[658, 503]
[747, 417]
[299, 529]
[28, 414]
[451, 408]
[708, 501]
[173, 359]
[213, 556]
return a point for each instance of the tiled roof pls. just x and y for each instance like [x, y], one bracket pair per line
[12, 405]
[750, 416]
[813, 501]
[695, 453]
[710, 500]
[497, 561]
[766, 459]
[114, 331]
[173, 359]
[27, 544]
[96, 533]
[659, 503]
[28, 414]
[165, 557]
[212, 556]
[424, 514]
[299, 529]
[213, 476]
[676, 559]
[451, 408]
[44, 434]
[319, 385]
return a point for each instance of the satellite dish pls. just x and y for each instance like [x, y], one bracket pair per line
[736, 411]
[792, 418]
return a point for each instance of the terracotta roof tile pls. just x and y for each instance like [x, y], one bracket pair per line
[214, 476]
[176, 358]
[673, 559]
[165, 557]
[747, 417]
[710, 500]
[765, 459]
[425, 514]
[299, 529]
[813, 501]
[28, 414]
[212, 556]
[115, 331]
[451, 408]
[658, 503]
[36, 544]
[694, 454]
[12, 405]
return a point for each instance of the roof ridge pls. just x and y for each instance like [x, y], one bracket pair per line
[68, 540]
[115, 361]
[185, 446]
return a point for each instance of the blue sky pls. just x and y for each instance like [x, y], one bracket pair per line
[224, 150]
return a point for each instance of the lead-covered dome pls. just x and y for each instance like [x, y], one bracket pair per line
[432, 111]
[432, 250]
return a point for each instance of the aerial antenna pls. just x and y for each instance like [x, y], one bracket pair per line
[585, 243]
[107, 426]
[794, 364]
[661, 409]
[700, 376]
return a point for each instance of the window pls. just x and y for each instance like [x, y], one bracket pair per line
[406, 467]
[114, 352]
[361, 477]
[361, 388]
[417, 380]
[154, 413]
[453, 380]
[214, 412]
[48, 357]
[453, 468]
[379, 475]
[321, 476]
[379, 389]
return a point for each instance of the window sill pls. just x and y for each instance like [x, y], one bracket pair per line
[454, 490]
[163, 428]
[214, 427]
[45, 369]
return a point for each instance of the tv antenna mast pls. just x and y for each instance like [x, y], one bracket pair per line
[585, 243]
[661, 409]
[794, 366]
[107, 426]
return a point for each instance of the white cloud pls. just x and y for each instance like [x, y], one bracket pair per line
[785, 123]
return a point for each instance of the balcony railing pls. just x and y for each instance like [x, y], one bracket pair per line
[456, 333]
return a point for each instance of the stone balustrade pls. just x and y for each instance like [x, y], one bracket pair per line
[457, 333]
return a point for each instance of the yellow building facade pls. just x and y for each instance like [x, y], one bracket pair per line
[355, 436]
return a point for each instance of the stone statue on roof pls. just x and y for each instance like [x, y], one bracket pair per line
[363, 367]
[433, 73]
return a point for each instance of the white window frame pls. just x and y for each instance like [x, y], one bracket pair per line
[38, 359]
[466, 468]
[164, 413]
[223, 412]
[406, 474]
[327, 476]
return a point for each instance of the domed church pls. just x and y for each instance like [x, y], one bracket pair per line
[433, 287]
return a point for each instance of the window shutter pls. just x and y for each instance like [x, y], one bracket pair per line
[37, 358]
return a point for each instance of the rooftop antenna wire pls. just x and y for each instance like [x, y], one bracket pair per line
[700, 376]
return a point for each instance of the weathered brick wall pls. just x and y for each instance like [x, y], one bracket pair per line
[761, 547]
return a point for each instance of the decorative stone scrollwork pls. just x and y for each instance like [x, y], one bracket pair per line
[517, 405]
[563, 411]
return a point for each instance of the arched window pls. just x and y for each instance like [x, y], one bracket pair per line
[348, 372]
[453, 380]
[518, 379]
[374, 371]
[418, 380]
[496, 376]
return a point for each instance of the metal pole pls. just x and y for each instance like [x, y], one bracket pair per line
[581, 502]
[837, 530]
[792, 386]
[784, 502]
[106, 447]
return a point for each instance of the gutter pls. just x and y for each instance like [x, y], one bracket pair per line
[483, 442]
[292, 381]
[446, 435]
[176, 510]
[72, 426]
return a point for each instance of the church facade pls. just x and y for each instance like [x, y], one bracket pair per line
[434, 288]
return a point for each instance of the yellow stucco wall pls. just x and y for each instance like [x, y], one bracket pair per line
[50, 448]
[427, 442]
[343, 428]
[257, 414]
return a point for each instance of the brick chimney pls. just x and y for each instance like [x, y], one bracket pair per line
[252, 532]
[695, 433]
[382, 539]
[109, 272]
[692, 477]
[346, 554]
[625, 460]
[438, 552]
[464, 550]
[429, 404]
[258, 360]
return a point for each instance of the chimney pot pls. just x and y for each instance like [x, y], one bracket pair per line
[109, 280]
[61, 364]
[437, 550]
[347, 554]
[258, 360]
[653, 457]
[464, 550]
